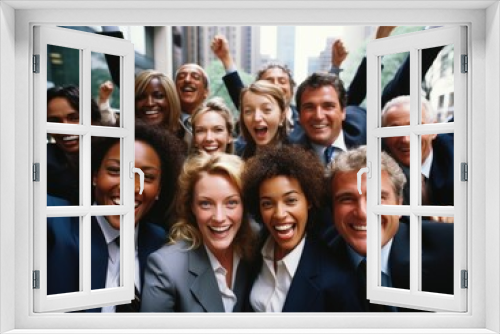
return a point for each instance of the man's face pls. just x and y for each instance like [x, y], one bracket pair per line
[321, 115]
[399, 147]
[280, 78]
[349, 209]
[190, 84]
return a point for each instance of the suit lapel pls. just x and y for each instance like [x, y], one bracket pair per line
[99, 256]
[399, 258]
[303, 290]
[204, 287]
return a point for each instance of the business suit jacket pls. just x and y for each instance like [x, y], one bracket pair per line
[63, 253]
[437, 260]
[182, 280]
[318, 285]
[440, 185]
[62, 179]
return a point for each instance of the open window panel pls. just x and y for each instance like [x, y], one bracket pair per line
[431, 255]
[66, 134]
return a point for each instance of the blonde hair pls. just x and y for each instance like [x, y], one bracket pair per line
[264, 88]
[186, 227]
[218, 106]
[173, 115]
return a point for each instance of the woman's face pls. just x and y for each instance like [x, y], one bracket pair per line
[284, 210]
[107, 180]
[59, 110]
[218, 209]
[262, 116]
[210, 132]
[152, 105]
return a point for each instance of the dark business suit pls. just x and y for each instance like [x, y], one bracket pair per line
[397, 86]
[318, 285]
[62, 179]
[437, 260]
[440, 185]
[181, 280]
[63, 253]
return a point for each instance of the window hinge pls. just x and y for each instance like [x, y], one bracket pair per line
[465, 64]
[465, 279]
[464, 171]
[36, 63]
[36, 279]
[36, 172]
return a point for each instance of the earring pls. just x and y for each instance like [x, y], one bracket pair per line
[157, 198]
[93, 183]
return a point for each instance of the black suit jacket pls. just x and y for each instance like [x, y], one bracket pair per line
[63, 253]
[440, 185]
[437, 260]
[318, 285]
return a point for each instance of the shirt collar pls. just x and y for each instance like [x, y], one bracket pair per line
[338, 143]
[291, 260]
[426, 166]
[184, 116]
[110, 234]
[384, 253]
[215, 264]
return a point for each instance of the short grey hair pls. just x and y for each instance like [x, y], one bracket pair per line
[404, 100]
[206, 79]
[355, 159]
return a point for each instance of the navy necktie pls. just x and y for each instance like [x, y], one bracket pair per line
[328, 154]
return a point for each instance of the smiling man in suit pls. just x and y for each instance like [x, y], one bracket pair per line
[350, 247]
[437, 152]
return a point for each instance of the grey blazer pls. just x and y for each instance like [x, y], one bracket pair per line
[181, 280]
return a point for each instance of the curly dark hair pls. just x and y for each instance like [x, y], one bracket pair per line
[72, 95]
[288, 160]
[171, 152]
[318, 80]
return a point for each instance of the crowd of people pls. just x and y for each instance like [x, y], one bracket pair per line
[264, 219]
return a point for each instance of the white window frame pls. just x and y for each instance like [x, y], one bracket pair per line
[85, 43]
[483, 20]
[413, 44]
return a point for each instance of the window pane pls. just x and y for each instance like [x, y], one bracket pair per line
[437, 255]
[395, 91]
[63, 171]
[105, 252]
[437, 169]
[63, 83]
[105, 78]
[106, 171]
[438, 84]
[63, 255]
[395, 252]
[398, 148]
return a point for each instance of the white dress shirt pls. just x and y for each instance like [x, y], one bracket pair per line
[229, 299]
[271, 287]
[113, 272]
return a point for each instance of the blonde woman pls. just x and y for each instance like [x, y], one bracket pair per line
[212, 128]
[204, 267]
[262, 117]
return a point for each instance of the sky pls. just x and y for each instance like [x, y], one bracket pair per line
[309, 41]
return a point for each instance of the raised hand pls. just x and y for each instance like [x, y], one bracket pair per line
[384, 31]
[105, 91]
[220, 47]
[339, 53]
